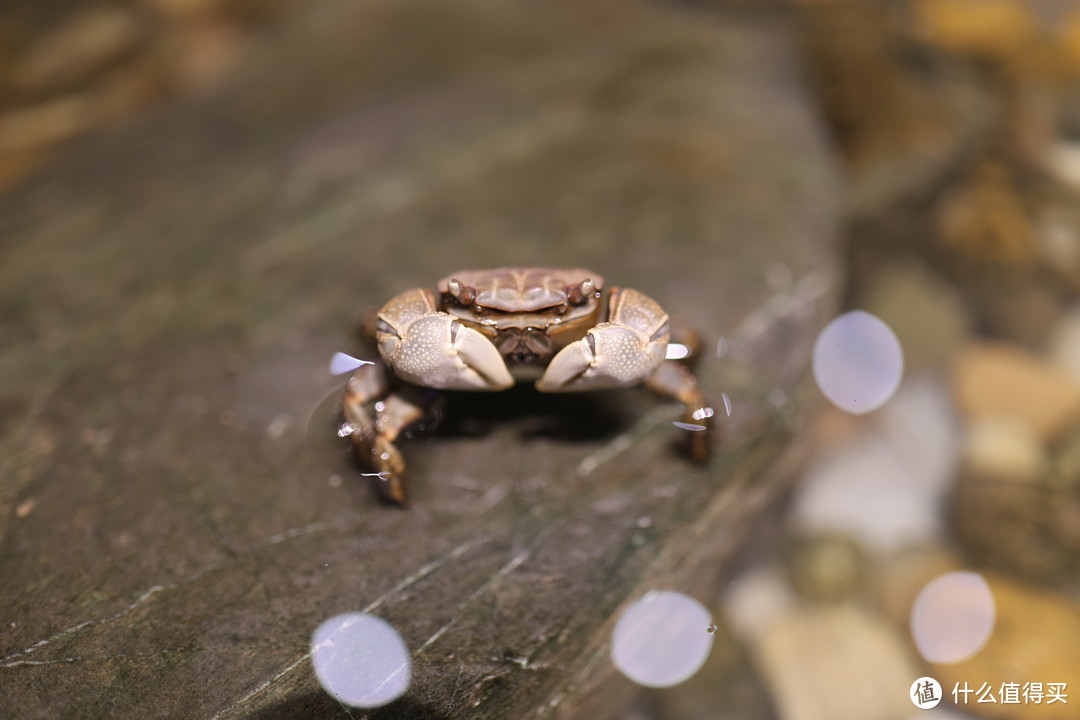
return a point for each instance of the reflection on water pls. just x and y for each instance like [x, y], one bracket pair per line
[858, 362]
[342, 363]
[361, 660]
[676, 351]
[953, 616]
[662, 639]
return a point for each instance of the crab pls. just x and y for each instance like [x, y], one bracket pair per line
[486, 330]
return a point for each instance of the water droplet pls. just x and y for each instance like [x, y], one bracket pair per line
[345, 429]
[858, 362]
[702, 413]
[361, 660]
[658, 642]
[727, 403]
[676, 351]
[952, 617]
[342, 363]
[279, 425]
[689, 426]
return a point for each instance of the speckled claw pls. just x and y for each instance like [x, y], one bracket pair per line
[614, 354]
[434, 349]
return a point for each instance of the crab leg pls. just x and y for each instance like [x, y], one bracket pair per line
[374, 418]
[673, 379]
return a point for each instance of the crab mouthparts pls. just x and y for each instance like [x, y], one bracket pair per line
[523, 346]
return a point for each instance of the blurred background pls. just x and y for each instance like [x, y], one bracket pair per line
[934, 530]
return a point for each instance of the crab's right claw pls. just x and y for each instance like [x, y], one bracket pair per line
[427, 347]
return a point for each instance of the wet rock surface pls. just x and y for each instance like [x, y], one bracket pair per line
[175, 525]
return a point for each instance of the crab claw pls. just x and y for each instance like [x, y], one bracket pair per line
[613, 354]
[609, 356]
[435, 350]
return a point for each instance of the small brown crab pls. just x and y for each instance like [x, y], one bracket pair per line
[486, 330]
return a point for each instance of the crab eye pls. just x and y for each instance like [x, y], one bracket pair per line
[480, 310]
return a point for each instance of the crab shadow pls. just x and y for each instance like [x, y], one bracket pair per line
[569, 417]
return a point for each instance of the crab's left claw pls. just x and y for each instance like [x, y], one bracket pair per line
[619, 353]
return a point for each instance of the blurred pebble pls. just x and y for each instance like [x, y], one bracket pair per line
[186, 9]
[1034, 640]
[826, 567]
[902, 577]
[206, 51]
[33, 127]
[883, 489]
[1065, 343]
[984, 221]
[1066, 462]
[1028, 525]
[986, 28]
[77, 49]
[1004, 446]
[14, 165]
[755, 599]
[129, 89]
[1058, 233]
[1063, 160]
[836, 663]
[996, 379]
[928, 316]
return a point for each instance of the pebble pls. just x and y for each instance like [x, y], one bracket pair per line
[755, 599]
[204, 52]
[928, 316]
[883, 488]
[128, 90]
[836, 663]
[31, 128]
[1004, 447]
[77, 49]
[992, 379]
[977, 27]
[1034, 640]
[826, 567]
[1065, 343]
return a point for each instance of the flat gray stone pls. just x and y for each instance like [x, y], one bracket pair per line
[176, 518]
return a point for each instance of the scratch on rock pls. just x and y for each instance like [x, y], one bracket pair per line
[60, 661]
[96, 658]
[802, 294]
[502, 572]
[374, 605]
[425, 571]
[457, 684]
[13, 659]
